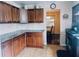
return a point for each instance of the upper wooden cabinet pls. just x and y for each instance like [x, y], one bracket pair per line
[15, 14]
[8, 13]
[35, 15]
[1, 13]
[7, 16]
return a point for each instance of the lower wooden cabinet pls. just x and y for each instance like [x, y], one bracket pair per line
[38, 39]
[13, 46]
[34, 39]
[29, 40]
[7, 49]
[22, 42]
[18, 44]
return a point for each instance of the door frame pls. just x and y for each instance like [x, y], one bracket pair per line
[56, 14]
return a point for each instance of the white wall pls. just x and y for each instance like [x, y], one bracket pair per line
[65, 8]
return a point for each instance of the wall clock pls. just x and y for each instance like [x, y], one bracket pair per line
[53, 6]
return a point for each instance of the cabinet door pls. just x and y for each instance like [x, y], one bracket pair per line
[34, 39]
[39, 15]
[1, 12]
[22, 41]
[31, 15]
[7, 49]
[16, 46]
[38, 39]
[18, 14]
[15, 14]
[29, 40]
[7, 13]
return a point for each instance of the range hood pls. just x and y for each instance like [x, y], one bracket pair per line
[23, 16]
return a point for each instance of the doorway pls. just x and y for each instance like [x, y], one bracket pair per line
[53, 26]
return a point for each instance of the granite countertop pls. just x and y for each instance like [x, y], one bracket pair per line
[10, 35]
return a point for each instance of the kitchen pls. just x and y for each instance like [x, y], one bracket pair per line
[12, 15]
[23, 25]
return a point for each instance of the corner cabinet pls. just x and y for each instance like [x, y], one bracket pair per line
[9, 13]
[35, 15]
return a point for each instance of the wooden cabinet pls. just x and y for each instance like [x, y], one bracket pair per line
[22, 41]
[15, 14]
[29, 40]
[31, 15]
[13, 46]
[19, 44]
[38, 39]
[7, 49]
[35, 15]
[39, 15]
[34, 39]
[16, 46]
[8, 13]
[1, 12]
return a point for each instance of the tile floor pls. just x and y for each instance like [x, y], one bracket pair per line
[47, 51]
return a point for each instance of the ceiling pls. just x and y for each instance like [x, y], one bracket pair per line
[32, 2]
